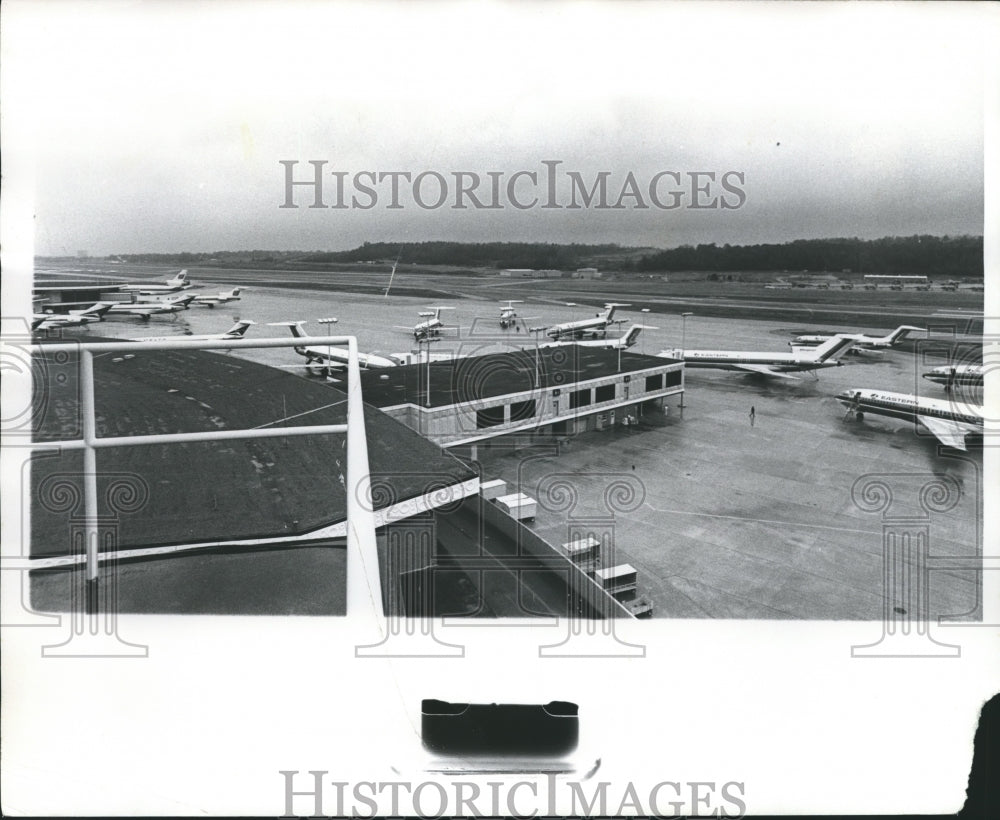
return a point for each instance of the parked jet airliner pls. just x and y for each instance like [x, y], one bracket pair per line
[168, 304]
[949, 375]
[83, 316]
[950, 423]
[861, 340]
[237, 331]
[179, 282]
[330, 356]
[626, 340]
[598, 326]
[432, 324]
[220, 298]
[769, 364]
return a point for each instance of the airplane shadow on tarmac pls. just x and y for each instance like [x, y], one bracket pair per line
[763, 386]
[901, 435]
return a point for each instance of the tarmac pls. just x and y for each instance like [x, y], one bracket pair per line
[734, 519]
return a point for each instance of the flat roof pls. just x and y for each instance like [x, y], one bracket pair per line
[49, 286]
[499, 374]
[218, 490]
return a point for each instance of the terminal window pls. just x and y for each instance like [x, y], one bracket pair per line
[490, 417]
[579, 398]
[521, 410]
[654, 382]
[605, 392]
[674, 378]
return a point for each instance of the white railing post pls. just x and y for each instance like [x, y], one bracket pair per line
[88, 412]
[88, 638]
[364, 592]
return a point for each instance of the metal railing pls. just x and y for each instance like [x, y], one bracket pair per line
[362, 556]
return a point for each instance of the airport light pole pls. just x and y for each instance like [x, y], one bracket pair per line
[684, 318]
[427, 340]
[643, 349]
[536, 331]
[330, 320]
[684, 321]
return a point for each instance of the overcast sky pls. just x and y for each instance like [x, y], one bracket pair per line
[160, 126]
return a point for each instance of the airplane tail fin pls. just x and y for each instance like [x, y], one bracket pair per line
[294, 327]
[240, 328]
[179, 281]
[901, 333]
[834, 347]
[632, 336]
[98, 309]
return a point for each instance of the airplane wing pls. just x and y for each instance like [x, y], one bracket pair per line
[767, 371]
[948, 432]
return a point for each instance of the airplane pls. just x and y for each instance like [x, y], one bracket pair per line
[179, 282]
[237, 331]
[950, 424]
[596, 326]
[83, 316]
[147, 309]
[949, 375]
[508, 314]
[862, 341]
[769, 364]
[330, 356]
[626, 340]
[220, 298]
[432, 326]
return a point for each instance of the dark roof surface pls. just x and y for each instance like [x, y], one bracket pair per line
[499, 374]
[221, 490]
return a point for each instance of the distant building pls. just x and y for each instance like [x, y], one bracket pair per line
[531, 273]
[587, 273]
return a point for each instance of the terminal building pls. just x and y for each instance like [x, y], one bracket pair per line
[258, 526]
[524, 396]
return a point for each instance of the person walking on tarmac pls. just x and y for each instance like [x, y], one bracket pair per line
[753, 415]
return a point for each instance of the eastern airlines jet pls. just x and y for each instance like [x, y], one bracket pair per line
[626, 340]
[220, 298]
[179, 282]
[949, 375]
[47, 321]
[237, 331]
[951, 423]
[331, 356]
[170, 304]
[770, 364]
[861, 340]
[583, 327]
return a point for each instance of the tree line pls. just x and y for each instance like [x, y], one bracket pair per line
[940, 255]
[924, 254]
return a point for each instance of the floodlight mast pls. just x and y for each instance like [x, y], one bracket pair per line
[427, 340]
[536, 331]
